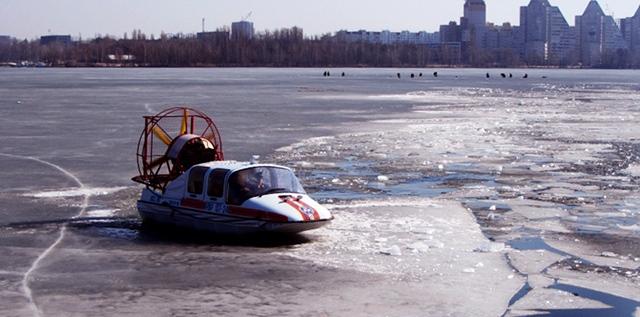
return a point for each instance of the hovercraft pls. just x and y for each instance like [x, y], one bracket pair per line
[189, 184]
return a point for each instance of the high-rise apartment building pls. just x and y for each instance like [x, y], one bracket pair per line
[630, 28]
[450, 33]
[474, 22]
[598, 34]
[242, 30]
[546, 34]
[561, 38]
[533, 21]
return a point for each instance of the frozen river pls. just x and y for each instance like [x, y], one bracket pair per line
[521, 194]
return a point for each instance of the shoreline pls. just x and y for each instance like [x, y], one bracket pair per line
[110, 66]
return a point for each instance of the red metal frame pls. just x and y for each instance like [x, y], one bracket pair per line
[157, 176]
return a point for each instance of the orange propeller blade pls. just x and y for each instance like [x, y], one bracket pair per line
[183, 127]
[163, 136]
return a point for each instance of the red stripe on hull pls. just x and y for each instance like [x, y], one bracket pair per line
[192, 203]
[316, 215]
[255, 213]
[298, 207]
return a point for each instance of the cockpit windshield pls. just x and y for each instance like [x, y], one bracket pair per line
[261, 180]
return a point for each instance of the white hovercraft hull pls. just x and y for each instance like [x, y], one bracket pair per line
[217, 222]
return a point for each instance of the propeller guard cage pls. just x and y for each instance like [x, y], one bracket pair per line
[173, 141]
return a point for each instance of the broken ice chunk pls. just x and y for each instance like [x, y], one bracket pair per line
[608, 254]
[393, 251]
[383, 178]
[469, 270]
[419, 246]
[490, 247]
[304, 164]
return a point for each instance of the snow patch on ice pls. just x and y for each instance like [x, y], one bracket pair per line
[407, 202]
[393, 251]
[490, 247]
[303, 164]
[99, 213]
[308, 142]
[633, 170]
[419, 247]
[76, 192]
[630, 228]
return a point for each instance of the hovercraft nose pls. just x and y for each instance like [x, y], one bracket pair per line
[296, 207]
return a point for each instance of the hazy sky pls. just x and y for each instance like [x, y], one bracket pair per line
[31, 18]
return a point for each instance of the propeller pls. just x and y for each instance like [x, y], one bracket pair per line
[183, 126]
[157, 162]
[162, 135]
[155, 165]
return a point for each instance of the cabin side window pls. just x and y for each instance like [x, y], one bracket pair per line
[216, 183]
[196, 180]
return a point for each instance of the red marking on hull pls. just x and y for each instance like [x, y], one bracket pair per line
[298, 207]
[316, 215]
[255, 213]
[192, 203]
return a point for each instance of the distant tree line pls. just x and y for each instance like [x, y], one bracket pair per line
[280, 48]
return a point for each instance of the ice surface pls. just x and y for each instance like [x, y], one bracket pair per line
[426, 241]
[489, 246]
[542, 162]
[557, 157]
[76, 192]
[102, 212]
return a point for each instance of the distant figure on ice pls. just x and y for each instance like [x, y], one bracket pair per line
[488, 76]
[544, 77]
[510, 75]
[412, 75]
[435, 74]
[343, 74]
[503, 75]
[398, 74]
[324, 74]
[420, 75]
[525, 76]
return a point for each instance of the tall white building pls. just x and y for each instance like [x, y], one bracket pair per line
[242, 30]
[561, 38]
[474, 22]
[598, 34]
[475, 12]
[630, 28]
[547, 35]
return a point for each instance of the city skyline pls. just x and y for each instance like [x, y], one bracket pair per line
[24, 19]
